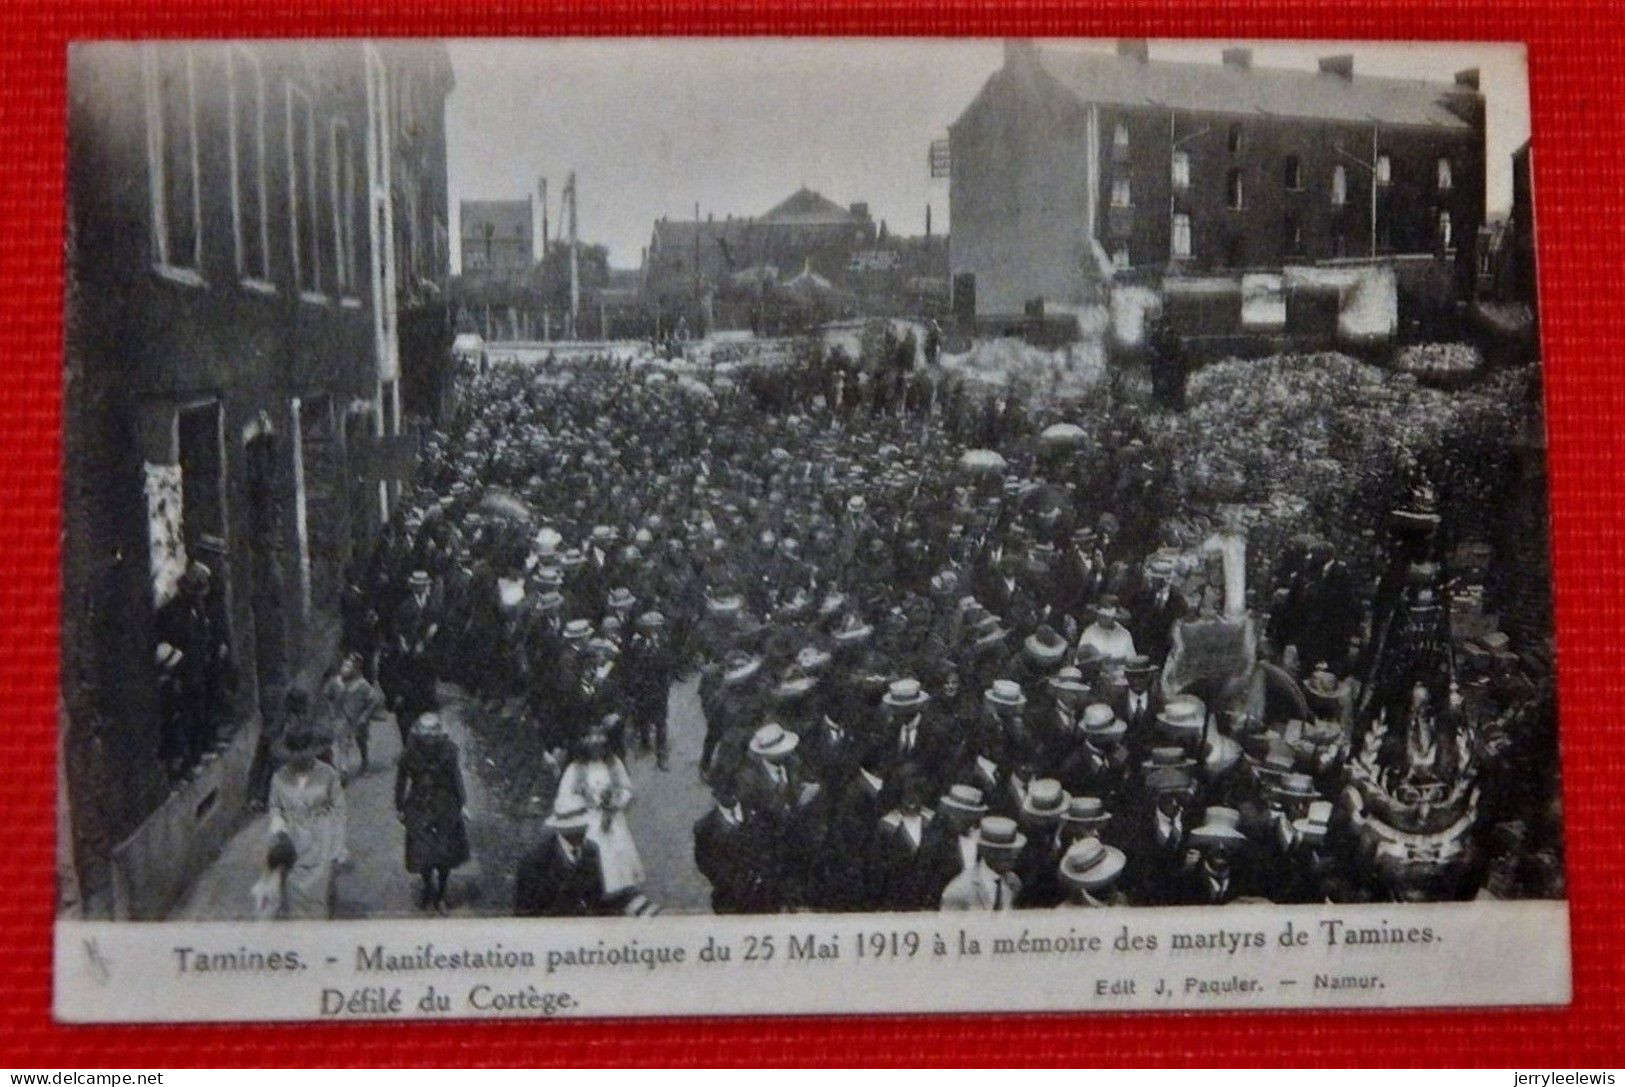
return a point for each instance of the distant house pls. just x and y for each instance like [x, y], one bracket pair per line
[686, 258]
[497, 237]
[1073, 168]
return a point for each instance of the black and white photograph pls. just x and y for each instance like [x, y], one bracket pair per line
[630, 480]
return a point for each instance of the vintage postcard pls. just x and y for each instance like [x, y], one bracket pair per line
[679, 527]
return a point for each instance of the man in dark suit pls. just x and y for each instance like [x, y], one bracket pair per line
[1138, 703]
[838, 880]
[562, 876]
[731, 852]
[909, 738]
[410, 676]
[900, 868]
[1155, 610]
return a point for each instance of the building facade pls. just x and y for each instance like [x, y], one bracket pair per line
[239, 273]
[1072, 168]
[498, 238]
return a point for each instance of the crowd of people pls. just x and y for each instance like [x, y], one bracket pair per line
[930, 651]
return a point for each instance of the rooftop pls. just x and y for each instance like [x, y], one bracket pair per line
[1127, 80]
[509, 218]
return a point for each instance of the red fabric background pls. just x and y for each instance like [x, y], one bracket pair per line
[1576, 61]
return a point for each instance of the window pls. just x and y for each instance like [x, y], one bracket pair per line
[341, 178]
[1181, 235]
[1182, 170]
[1444, 175]
[1120, 193]
[1233, 139]
[251, 227]
[1233, 190]
[1446, 237]
[306, 246]
[1385, 170]
[1120, 257]
[1120, 135]
[1293, 173]
[1340, 186]
[172, 161]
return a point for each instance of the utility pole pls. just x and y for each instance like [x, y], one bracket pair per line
[575, 270]
[543, 187]
[1371, 168]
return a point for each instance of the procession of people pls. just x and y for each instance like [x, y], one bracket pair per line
[931, 650]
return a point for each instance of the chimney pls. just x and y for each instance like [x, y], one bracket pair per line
[1135, 49]
[1238, 58]
[1467, 78]
[1342, 66]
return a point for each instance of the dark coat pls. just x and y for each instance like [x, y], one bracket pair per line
[901, 873]
[429, 796]
[739, 862]
[547, 884]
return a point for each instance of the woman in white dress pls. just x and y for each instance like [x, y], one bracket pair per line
[599, 779]
[307, 814]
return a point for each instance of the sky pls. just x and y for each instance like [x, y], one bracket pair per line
[654, 127]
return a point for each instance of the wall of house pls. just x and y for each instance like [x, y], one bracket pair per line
[145, 344]
[1018, 194]
[1258, 233]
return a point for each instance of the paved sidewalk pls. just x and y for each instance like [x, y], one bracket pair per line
[375, 883]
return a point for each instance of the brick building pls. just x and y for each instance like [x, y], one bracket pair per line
[498, 238]
[1071, 167]
[252, 228]
[692, 259]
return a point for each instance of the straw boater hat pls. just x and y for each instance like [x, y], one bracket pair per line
[726, 604]
[572, 557]
[577, 630]
[420, 579]
[1005, 694]
[1000, 835]
[1087, 811]
[650, 620]
[1167, 759]
[1139, 665]
[1090, 864]
[1044, 646]
[602, 534]
[905, 694]
[1159, 568]
[831, 605]
[812, 659]
[552, 600]
[621, 599]
[794, 685]
[1296, 786]
[988, 634]
[1220, 829]
[739, 666]
[167, 656]
[772, 741]
[1182, 718]
[963, 798]
[1045, 800]
[1100, 722]
[1107, 606]
[852, 630]
[548, 577]
[570, 813]
[1068, 681]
